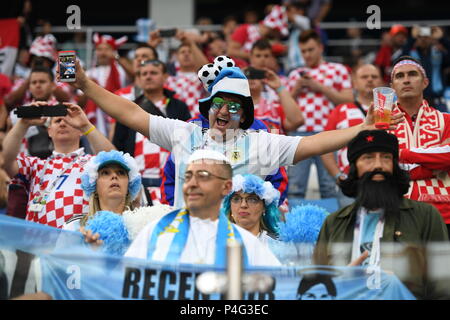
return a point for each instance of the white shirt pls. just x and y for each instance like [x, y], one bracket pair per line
[201, 244]
[258, 152]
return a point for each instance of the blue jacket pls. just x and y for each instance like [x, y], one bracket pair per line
[279, 180]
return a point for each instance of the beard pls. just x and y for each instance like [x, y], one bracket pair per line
[378, 194]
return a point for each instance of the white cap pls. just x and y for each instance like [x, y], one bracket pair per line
[205, 154]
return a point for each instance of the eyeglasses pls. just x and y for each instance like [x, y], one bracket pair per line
[200, 176]
[250, 200]
[218, 103]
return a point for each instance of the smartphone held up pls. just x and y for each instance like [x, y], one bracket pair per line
[66, 61]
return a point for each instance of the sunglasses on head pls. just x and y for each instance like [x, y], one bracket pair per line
[218, 103]
[153, 62]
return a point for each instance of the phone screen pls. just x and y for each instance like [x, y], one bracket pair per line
[67, 67]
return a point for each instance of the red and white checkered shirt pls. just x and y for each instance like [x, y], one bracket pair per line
[128, 92]
[150, 157]
[345, 116]
[188, 89]
[246, 35]
[316, 106]
[271, 113]
[67, 197]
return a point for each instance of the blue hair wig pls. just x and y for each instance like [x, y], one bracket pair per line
[265, 191]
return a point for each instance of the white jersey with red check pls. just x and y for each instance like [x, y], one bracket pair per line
[150, 157]
[66, 197]
[128, 92]
[345, 116]
[315, 105]
[188, 88]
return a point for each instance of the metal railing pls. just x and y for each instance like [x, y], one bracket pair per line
[90, 30]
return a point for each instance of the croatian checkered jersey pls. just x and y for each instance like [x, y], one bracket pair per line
[188, 88]
[315, 105]
[246, 35]
[60, 176]
[345, 116]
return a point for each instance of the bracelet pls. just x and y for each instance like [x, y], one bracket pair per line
[89, 131]
[280, 88]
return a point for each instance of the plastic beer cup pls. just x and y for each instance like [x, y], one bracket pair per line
[383, 99]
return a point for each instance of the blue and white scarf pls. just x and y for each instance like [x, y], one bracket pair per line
[173, 230]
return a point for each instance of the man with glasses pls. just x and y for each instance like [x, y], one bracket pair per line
[253, 152]
[199, 233]
[156, 100]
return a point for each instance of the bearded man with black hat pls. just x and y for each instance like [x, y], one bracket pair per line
[380, 213]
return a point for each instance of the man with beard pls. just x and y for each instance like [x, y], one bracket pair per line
[379, 214]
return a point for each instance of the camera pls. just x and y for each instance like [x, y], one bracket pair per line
[58, 110]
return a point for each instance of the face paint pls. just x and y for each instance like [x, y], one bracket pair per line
[235, 117]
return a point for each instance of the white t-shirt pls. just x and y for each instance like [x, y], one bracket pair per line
[201, 244]
[254, 152]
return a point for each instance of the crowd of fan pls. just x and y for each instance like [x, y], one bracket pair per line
[297, 92]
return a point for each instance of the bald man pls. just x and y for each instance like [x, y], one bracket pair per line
[364, 78]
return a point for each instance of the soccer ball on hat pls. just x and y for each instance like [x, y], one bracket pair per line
[207, 74]
[224, 62]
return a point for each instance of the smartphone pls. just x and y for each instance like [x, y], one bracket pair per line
[66, 60]
[253, 73]
[167, 33]
[58, 110]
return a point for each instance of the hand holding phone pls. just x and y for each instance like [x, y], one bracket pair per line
[66, 64]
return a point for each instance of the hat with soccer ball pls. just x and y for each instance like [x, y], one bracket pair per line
[223, 76]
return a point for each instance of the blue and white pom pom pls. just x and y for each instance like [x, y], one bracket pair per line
[112, 230]
[303, 224]
[90, 175]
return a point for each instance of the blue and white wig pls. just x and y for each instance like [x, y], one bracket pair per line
[102, 159]
[249, 183]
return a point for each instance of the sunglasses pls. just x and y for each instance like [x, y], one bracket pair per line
[153, 62]
[218, 103]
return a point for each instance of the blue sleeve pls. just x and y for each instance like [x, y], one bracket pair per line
[168, 182]
[280, 181]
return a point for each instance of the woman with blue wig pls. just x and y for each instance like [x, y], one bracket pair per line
[112, 182]
[253, 205]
